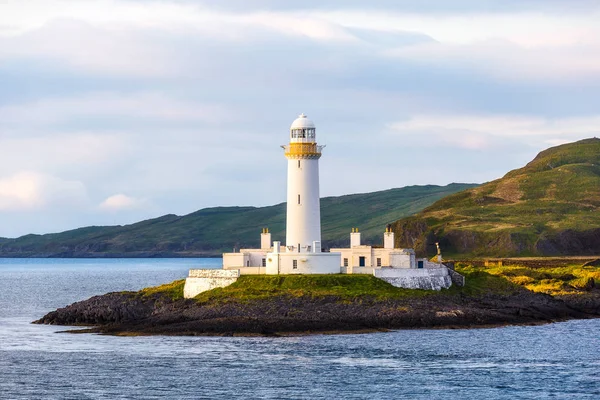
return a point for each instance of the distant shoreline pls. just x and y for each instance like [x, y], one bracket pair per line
[130, 255]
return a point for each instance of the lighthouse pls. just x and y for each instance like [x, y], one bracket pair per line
[302, 253]
[303, 221]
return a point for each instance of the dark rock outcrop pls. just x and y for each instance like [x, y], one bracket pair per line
[130, 313]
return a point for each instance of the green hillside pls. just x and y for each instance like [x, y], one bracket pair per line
[213, 230]
[549, 207]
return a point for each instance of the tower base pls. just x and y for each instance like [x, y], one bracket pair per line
[303, 263]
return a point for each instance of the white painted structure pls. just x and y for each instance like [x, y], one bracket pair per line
[302, 253]
[426, 278]
[364, 259]
[303, 223]
[201, 280]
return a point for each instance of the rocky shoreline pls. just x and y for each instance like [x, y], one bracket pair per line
[131, 313]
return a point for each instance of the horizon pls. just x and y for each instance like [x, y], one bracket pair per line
[232, 206]
[117, 111]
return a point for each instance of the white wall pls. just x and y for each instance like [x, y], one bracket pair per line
[304, 219]
[265, 241]
[388, 240]
[400, 260]
[396, 258]
[234, 260]
[354, 239]
[245, 258]
[306, 263]
[201, 280]
[410, 278]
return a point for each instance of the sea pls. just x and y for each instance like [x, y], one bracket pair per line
[553, 361]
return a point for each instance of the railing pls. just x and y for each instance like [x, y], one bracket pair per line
[302, 150]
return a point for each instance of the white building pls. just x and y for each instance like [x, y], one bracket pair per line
[302, 253]
[364, 259]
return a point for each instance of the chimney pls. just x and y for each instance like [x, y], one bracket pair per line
[316, 247]
[354, 237]
[265, 239]
[388, 238]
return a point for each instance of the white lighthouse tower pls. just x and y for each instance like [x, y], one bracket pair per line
[303, 230]
[302, 253]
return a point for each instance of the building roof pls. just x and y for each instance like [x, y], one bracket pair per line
[302, 122]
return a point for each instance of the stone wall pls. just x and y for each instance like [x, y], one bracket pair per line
[426, 278]
[201, 280]
[457, 278]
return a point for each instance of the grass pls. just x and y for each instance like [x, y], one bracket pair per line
[479, 282]
[503, 280]
[173, 290]
[555, 281]
[343, 287]
[558, 191]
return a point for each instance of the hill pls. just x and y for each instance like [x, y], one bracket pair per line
[211, 231]
[549, 207]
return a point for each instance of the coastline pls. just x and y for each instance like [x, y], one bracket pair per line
[293, 312]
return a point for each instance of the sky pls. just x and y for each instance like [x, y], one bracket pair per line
[115, 111]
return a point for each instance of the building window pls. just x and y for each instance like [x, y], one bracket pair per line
[247, 263]
[345, 262]
[264, 262]
[298, 199]
[361, 261]
[379, 262]
[295, 264]
[298, 163]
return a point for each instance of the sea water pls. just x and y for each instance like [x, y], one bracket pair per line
[560, 360]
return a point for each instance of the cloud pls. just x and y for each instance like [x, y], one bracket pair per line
[119, 202]
[185, 103]
[82, 46]
[509, 61]
[480, 132]
[435, 7]
[68, 153]
[29, 190]
[147, 106]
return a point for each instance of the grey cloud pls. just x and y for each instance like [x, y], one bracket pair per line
[422, 6]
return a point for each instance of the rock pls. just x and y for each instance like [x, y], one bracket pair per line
[118, 313]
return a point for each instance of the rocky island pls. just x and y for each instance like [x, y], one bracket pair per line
[301, 304]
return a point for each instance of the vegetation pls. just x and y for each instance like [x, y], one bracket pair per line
[213, 230]
[173, 290]
[562, 280]
[343, 287]
[549, 207]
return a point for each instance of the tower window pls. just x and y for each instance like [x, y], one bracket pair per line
[298, 199]
[345, 262]
[295, 264]
[264, 262]
[379, 262]
[298, 163]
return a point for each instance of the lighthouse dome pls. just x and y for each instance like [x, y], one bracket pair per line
[302, 122]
